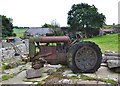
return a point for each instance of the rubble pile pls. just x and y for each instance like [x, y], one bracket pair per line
[10, 51]
[113, 60]
[7, 52]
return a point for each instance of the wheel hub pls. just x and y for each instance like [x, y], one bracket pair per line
[86, 58]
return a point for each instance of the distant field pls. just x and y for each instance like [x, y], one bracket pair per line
[107, 42]
[19, 32]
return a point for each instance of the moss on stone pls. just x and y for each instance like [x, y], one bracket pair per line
[84, 77]
[6, 77]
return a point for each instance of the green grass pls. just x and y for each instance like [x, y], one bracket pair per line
[109, 81]
[19, 32]
[4, 67]
[6, 77]
[84, 77]
[106, 42]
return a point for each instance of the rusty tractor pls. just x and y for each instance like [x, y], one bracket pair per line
[79, 56]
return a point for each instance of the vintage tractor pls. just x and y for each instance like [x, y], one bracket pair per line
[79, 56]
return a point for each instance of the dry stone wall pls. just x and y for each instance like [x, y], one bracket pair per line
[113, 60]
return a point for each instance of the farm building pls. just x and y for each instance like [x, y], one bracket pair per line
[107, 31]
[37, 31]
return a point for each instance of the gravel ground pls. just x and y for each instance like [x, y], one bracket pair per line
[65, 77]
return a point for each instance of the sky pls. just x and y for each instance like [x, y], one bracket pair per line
[34, 13]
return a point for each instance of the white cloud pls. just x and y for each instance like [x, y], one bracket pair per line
[38, 12]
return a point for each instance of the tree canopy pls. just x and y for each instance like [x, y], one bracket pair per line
[48, 26]
[84, 17]
[7, 26]
[55, 26]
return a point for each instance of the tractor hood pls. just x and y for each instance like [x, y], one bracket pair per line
[47, 39]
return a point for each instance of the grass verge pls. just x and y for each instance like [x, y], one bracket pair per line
[106, 42]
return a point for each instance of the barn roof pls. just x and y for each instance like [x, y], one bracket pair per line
[38, 30]
[108, 30]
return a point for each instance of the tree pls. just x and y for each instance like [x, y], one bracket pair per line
[86, 18]
[47, 26]
[7, 26]
[54, 25]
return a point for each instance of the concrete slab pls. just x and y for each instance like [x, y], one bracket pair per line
[17, 79]
[102, 73]
[105, 73]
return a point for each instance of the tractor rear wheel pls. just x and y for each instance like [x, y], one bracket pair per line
[84, 57]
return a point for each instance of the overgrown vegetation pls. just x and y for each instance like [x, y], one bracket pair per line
[10, 65]
[58, 74]
[84, 77]
[6, 77]
[59, 33]
[4, 67]
[109, 81]
[40, 83]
